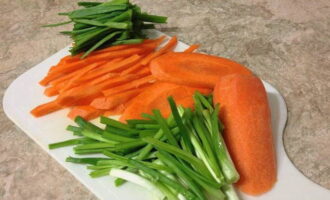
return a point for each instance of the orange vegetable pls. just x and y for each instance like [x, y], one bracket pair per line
[71, 83]
[168, 47]
[111, 67]
[45, 109]
[246, 117]
[155, 97]
[191, 48]
[86, 112]
[112, 101]
[194, 69]
[118, 110]
[156, 41]
[84, 94]
[130, 85]
[51, 91]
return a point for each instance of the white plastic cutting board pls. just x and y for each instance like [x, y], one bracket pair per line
[25, 93]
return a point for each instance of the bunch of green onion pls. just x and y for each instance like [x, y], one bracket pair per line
[99, 25]
[180, 157]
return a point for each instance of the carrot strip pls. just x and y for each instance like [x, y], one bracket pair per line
[84, 94]
[112, 101]
[103, 78]
[65, 69]
[51, 91]
[116, 54]
[86, 112]
[168, 47]
[49, 78]
[110, 67]
[118, 110]
[45, 109]
[124, 46]
[123, 64]
[144, 71]
[191, 48]
[62, 79]
[130, 85]
[81, 73]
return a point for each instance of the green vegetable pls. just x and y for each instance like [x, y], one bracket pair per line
[180, 157]
[101, 24]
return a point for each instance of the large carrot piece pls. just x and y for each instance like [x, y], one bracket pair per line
[155, 97]
[194, 69]
[246, 117]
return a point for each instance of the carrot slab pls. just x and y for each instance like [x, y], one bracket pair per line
[194, 69]
[155, 97]
[246, 116]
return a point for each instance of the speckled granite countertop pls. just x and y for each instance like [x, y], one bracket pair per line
[286, 43]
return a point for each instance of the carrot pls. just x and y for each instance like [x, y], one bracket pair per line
[130, 85]
[45, 109]
[112, 101]
[79, 74]
[194, 69]
[118, 110]
[51, 91]
[84, 94]
[62, 79]
[155, 97]
[50, 77]
[86, 112]
[66, 82]
[116, 54]
[246, 117]
[110, 67]
[70, 67]
[135, 67]
[144, 71]
[191, 48]
[102, 78]
[168, 47]
[62, 70]
[124, 46]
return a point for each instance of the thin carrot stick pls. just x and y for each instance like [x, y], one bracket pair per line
[45, 109]
[169, 46]
[85, 70]
[130, 85]
[191, 48]
[110, 67]
[86, 112]
[112, 101]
